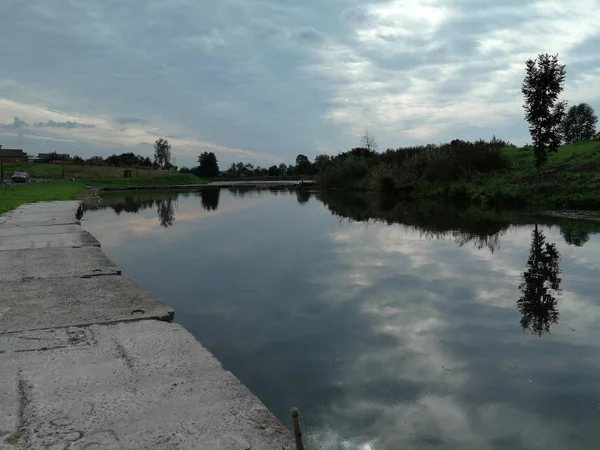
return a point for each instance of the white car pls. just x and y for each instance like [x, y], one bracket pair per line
[20, 176]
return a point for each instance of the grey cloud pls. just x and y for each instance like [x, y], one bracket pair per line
[255, 87]
[308, 35]
[130, 121]
[16, 125]
[354, 15]
[68, 124]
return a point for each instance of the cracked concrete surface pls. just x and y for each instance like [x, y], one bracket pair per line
[90, 360]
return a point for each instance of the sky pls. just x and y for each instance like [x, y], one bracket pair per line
[261, 81]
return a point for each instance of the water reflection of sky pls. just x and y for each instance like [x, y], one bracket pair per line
[382, 338]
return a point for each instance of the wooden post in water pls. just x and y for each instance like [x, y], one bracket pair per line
[297, 431]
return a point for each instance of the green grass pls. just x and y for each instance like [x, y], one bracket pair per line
[571, 179]
[167, 180]
[12, 196]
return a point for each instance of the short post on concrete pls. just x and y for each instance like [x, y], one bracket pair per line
[297, 430]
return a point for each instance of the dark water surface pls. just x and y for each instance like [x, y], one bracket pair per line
[389, 326]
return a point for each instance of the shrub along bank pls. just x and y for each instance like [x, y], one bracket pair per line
[488, 172]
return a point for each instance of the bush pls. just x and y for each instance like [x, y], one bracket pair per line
[349, 172]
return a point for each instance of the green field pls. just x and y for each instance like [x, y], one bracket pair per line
[12, 196]
[571, 179]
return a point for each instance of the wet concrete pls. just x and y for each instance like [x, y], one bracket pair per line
[90, 360]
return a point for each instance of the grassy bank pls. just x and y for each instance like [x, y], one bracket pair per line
[166, 180]
[476, 173]
[12, 196]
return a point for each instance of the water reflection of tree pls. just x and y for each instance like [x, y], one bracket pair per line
[574, 236]
[302, 195]
[166, 212]
[539, 286]
[210, 199]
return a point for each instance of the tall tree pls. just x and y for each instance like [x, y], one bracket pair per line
[208, 165]
[367, 140]
[303, 166]
[322, 162]
[162, 152]
[282, 169]
[539, 286]
[544, 81]
[580, 123]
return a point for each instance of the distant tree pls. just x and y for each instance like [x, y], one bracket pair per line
[367, 140]
[185, 169]
[273, 171]
[322, 162]
[282, 170]
[303, 166]
[210, 198]
[95, 161]
[162, 152]
[540, 285]
[580, 123]
[291, 170]
[544, 81]
[78, 160]
[208, 165]
[113, 160]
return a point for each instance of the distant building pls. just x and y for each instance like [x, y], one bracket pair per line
[13, 155]
[50, 157]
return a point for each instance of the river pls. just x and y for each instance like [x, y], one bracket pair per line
[390, 326]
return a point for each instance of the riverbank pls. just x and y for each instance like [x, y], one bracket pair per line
[478, 174]
[87, 358]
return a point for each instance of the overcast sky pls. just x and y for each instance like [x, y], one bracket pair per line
[264, 80]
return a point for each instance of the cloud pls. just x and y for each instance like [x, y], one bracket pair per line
[309, 36]
[279, 78]
[68, 124]
[16, 125]
[131, 121]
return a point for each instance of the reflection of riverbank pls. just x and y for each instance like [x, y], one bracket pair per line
[165, 201]
[466, 224]
[216, 184]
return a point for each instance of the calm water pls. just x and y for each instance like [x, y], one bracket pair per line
[415, 327]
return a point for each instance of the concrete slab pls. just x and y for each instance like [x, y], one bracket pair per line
[79, 239]
[16, 265]
[83, 363]
[145, 384]
[48, 229]
[48, 303]
[41, 214]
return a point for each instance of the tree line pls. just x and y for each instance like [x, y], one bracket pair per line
[162, 158]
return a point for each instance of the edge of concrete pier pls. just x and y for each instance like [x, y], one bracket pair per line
[90, 360]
